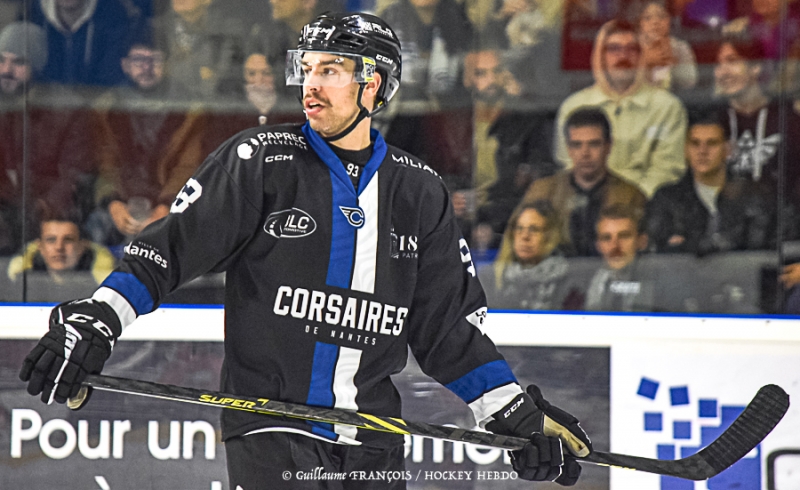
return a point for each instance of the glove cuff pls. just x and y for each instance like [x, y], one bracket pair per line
[519, 418]
[88, 315]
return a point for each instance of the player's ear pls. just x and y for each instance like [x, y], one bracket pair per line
[371, 88]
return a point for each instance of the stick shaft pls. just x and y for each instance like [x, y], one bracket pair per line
[758, 419]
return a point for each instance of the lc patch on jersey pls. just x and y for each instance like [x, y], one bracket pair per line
[290, 223]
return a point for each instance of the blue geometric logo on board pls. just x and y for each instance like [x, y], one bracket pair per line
[712, 419]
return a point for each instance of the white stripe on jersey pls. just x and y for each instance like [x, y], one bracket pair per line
[492, 401]
[118, 303]
[366, 256]
[344, 387]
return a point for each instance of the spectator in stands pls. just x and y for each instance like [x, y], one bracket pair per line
[707, 211]
[434, 34]
[276, 33]
[144, 65]
[259, 85]
[579, 193]
[670, 61]
[754, 123]
[146, 152]
[529, 273]
[85, 39]
[438, 134]
[763, 25]
[23, 55]
[509, 147]
[256, 98]
[533, 29]
[42, 136]
[649, 123]
[528, 22]
[623, 282]
[61, 262]
[204, 46]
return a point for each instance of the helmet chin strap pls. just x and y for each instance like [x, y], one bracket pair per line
[362, 113]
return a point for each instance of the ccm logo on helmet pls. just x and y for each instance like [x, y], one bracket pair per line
[386, 60]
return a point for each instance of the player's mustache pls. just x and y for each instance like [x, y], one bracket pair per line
[624, 64]
[321, 100]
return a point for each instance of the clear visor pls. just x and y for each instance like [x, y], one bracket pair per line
[327, 69]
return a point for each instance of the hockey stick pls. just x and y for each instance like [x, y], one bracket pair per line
[747, 431]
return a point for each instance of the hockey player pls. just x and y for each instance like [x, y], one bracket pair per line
[340, 252]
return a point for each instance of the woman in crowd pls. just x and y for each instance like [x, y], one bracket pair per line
[529, 273]
[671, 63]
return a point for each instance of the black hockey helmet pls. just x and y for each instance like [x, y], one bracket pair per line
[365, 38]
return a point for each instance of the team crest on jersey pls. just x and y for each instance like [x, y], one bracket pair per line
[355, 216]
[290, 223]
[247, 149]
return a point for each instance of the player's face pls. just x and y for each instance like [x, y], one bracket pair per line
[733, 74]
[621, 58]
[706, 149]
[588, 150]
[530, 237]
[61, 245]
[329, 92]
[145, 67]
[618, 241]
[14, 72]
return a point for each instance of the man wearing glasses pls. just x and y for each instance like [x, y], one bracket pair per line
[648, 123]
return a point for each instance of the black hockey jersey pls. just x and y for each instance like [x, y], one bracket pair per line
[326, 285]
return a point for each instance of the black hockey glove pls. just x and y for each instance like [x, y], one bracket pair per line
[529, 415]
[82, 334]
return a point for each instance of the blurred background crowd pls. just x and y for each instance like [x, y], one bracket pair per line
[603, 155]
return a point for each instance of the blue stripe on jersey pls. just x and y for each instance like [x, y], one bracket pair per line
[481, 380]
[343, 235]
[323, 429]
[132, 289]
[320, 390]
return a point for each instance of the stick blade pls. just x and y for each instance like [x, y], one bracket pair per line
[757, 420]
[751, 427]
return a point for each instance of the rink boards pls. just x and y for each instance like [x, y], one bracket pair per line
[654, 386]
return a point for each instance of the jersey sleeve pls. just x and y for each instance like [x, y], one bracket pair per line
[448, 309]
[213, 216]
